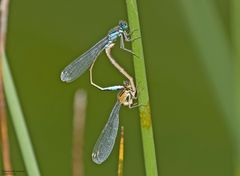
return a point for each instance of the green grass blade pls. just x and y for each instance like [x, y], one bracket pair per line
[18, 121]
[235, 28]
[217, 57]
[143, 97]
[213, 47]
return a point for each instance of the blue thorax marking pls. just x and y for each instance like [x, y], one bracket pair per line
[114, 34]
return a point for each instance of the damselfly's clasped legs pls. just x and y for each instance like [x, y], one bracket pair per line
[106, 140]
[83, 62]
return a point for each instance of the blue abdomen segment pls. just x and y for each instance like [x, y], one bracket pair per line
[112, 88]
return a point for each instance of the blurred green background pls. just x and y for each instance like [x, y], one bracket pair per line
[190, 103]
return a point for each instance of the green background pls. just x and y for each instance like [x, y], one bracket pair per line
[192, 137]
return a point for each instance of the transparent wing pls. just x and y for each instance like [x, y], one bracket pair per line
[83, 62]
[106, 140]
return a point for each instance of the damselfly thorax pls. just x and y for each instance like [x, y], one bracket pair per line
[127, 95]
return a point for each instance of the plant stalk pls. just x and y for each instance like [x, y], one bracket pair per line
[235, 25]
[13, 102]
[143, 97]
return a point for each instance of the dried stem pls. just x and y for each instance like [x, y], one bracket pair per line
[7, 167]
[80, 103]
[13, 104]
[121, 153]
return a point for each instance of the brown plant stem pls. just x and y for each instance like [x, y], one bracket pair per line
[80, 103]
[7, 167]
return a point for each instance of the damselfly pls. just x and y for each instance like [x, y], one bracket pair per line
[83, 62]
[106, 140]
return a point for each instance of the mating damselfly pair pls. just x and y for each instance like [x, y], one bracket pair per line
[126, 96]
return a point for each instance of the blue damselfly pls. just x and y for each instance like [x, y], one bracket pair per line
[83, 62]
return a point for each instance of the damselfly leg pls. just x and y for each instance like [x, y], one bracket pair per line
[127, 36]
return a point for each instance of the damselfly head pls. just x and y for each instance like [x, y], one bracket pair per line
[123, 25]
[127, 85]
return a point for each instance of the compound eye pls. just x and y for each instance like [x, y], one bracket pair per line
[123, 25]
[126, 83]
